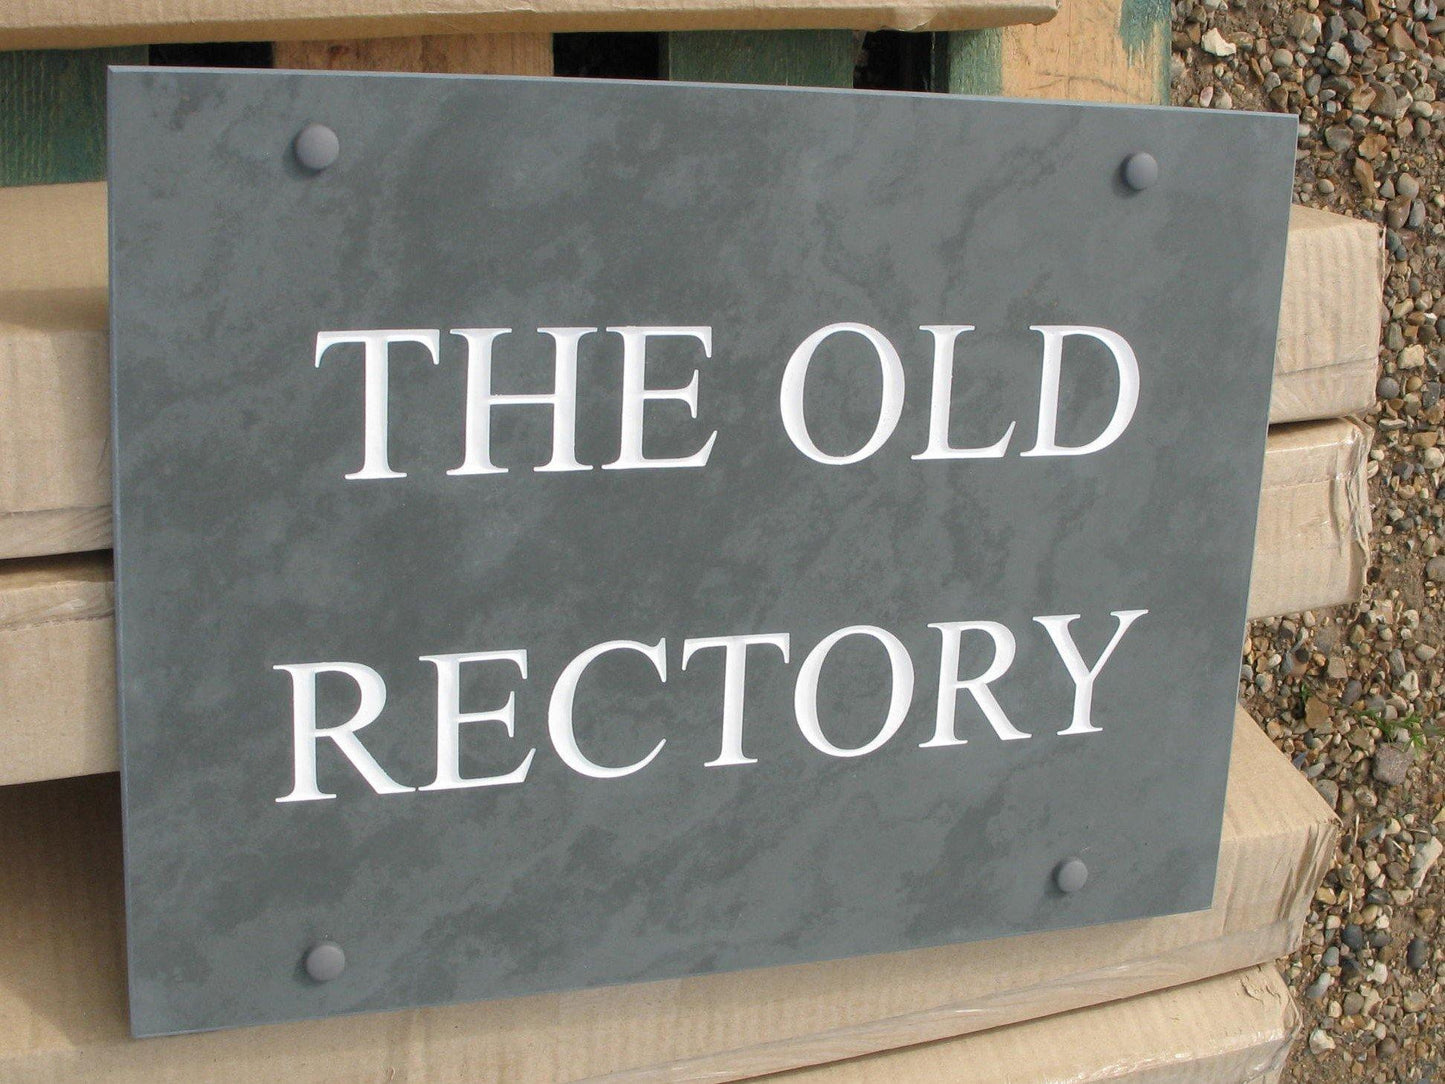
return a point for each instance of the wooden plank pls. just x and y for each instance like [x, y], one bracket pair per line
[62, 973]
[471, 54]
[1096, 50]
[791, 58]
[969, 62]
[52, 114]
[50, 24]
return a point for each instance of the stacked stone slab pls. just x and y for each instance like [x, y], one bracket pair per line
[1175, 999]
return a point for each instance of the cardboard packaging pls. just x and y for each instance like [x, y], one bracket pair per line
[52, 24]
[1311, 544]
[57, 675]
[62, 972]
[57, 668]
[55, 384]
[1234, 1029]
[54, 371]
[1328, 349]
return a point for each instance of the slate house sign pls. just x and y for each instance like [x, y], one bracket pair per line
[574, 533]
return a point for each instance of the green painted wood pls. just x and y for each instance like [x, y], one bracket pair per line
[1144, 30]
[797, 58]
[1095, 50]
[968, 62]
[52, 113]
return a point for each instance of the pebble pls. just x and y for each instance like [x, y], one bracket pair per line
[1388, 388]
[1305, 27]
[1353, 936]
[1426, 855]
[1418, 953]
[1320, 1042]
[1215, 44]
[1317, 989]
[1386, 102]
[1390, 765]
[1365, 175]
[1435, 568]
[1330, 957]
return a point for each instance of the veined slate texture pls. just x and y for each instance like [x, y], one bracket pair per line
[765, 214]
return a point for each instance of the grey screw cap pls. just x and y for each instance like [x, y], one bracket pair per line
[316, 147]
[1071, 875]
[1141, 171]
[325, 961]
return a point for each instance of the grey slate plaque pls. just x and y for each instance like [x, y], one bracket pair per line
[255, 578]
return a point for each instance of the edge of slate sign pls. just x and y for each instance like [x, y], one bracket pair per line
[863, 566]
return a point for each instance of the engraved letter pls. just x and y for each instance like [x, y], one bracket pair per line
[480, 399]
[636, 393]
[1054, 336]
[805, 693]
[945, 336]
[376, 360]
[735, 656]
[1084, 675]
[305, 732]
[949, 682]
[795, 377]
[559, 712]
[450, 718]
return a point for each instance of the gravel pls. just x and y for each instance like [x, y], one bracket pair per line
[1354, 696]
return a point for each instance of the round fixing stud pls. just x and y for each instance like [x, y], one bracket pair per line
[1141, 171]
[325, 961]
[1071, 875]
[316, 147]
